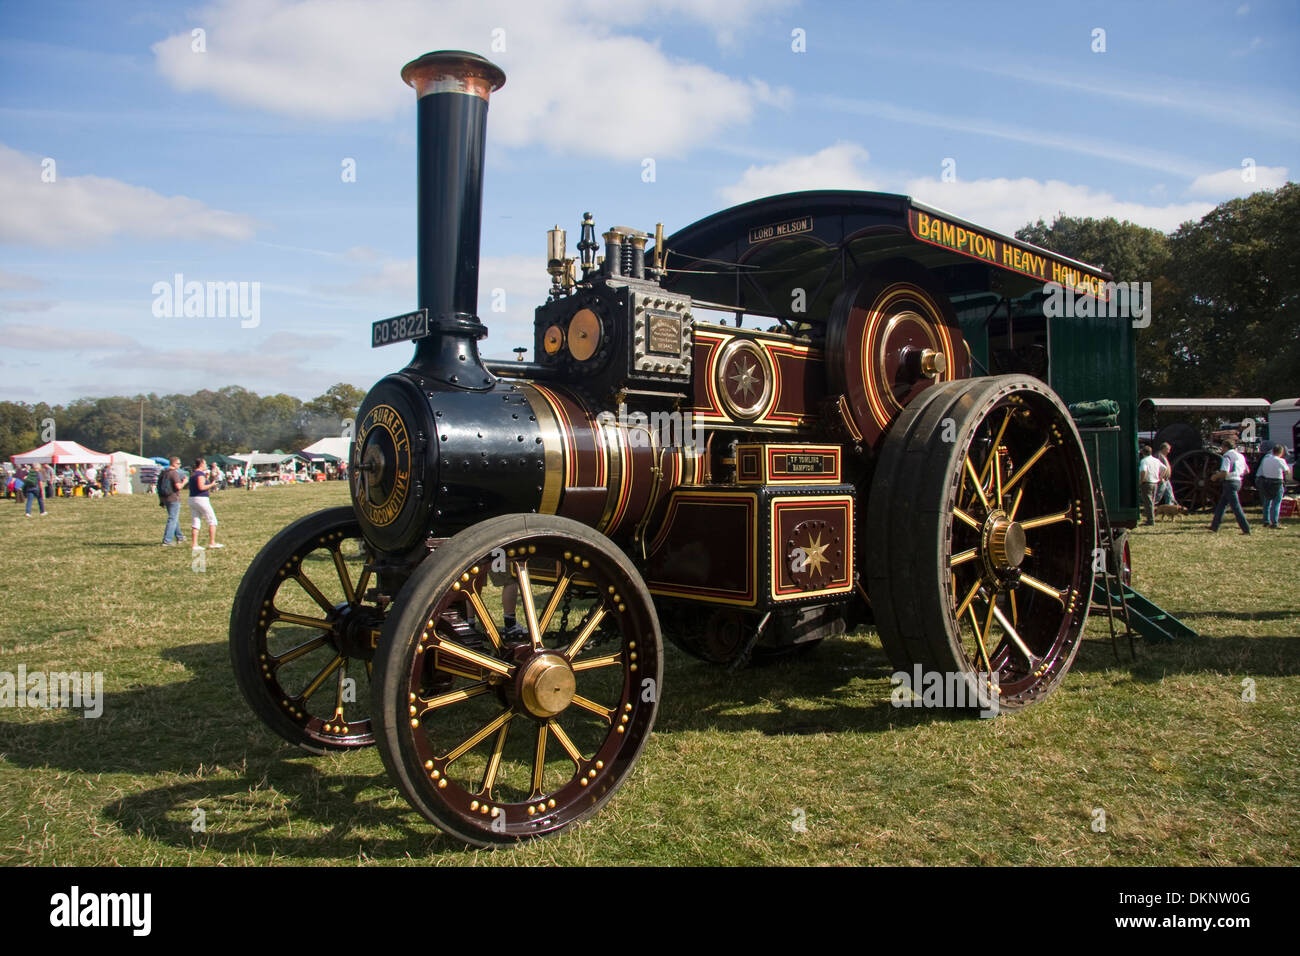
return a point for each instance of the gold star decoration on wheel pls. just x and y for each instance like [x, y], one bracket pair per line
[816, 552]
[744, 379]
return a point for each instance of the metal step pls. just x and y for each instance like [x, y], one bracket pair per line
[1148, 619]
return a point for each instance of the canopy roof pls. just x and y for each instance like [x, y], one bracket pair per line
[318, 456]
[338, 447]
[262, 458]
[60, 453]
[757, 255]
[126, 458]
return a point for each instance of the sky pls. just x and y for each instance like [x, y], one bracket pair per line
[271, 144]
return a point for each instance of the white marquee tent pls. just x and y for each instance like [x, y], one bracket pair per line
[338, 447]
[126, 471]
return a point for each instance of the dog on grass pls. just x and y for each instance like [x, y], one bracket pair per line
[1172, 512]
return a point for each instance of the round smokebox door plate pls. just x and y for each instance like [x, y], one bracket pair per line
[383, 473]
[584, 334]
[743, 379]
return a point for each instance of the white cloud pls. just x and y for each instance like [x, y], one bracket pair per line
[85, 209]
[45, 338]
[1006, 205]
[573, 83]
[1229, 183]
[26, 305]
[835, 167]
[13, 280]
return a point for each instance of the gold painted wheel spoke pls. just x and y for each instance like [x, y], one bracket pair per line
[561, 586]
[997, 475]
[997, 442]
[982, 637]
[591, 706]
[474, 657]
[574, 754]
[1015, 505]
[1010, 631]
[979, 644]
[539, 759]
[310, 587]
[970, 596]
[593, 662]
[338, 690]
[494, 762]
[1044, 520]
[530, 609]
[480, 735]
[593, 622]
[321, 677]
[344, 578]
[361, 584]
[302, 620]
[968, 555]
[484, 616]
[296, 652]
[1015, 612]
[452, 697]
[1030, 581]
[963, 516]
[979, 486]
[1023, 469]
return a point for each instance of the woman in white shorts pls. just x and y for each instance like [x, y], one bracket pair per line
[200, 506]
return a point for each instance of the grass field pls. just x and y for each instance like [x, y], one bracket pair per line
[1185, 770]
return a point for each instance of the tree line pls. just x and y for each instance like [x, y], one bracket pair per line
[207, 422]
[1225, 319]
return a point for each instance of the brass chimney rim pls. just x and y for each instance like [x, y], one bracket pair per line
[453, 71]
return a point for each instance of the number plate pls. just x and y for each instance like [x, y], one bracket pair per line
[400, 328]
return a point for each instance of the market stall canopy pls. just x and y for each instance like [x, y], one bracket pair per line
[338, 448]
[60, 453]
[259, 459]
[126, 458]
[315, 456]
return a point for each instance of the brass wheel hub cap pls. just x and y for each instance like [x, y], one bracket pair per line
[546, 685]
[1004, 542]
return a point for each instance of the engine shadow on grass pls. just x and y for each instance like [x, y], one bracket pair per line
[175, 727]
[1237, 654]
[839, 686]
[259, 811]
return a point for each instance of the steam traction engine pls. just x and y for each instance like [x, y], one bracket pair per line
[755, 434]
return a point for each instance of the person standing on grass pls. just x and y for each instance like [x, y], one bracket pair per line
[1151, 471]
[1165, 493]
[1270, 480]
[1233, 468]
[169, 493]
[201, 507]
[34, 488]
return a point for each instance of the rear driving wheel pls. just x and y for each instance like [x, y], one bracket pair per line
[982, 512]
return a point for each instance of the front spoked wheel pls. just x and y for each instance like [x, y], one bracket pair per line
[518, 678]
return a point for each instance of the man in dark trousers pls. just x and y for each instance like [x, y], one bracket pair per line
[1233, 468]
[169, 494]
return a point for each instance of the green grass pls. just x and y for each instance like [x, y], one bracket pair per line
[1185, 770]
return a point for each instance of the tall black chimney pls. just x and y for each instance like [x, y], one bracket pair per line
[452, 88]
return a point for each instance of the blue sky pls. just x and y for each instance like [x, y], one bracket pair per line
[225, 164]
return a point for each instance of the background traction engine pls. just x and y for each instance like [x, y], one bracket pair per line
[489, 609]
